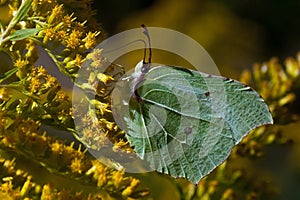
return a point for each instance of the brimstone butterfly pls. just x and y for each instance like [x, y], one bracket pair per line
[185, 122]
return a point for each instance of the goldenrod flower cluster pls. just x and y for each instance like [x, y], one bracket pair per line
[277, 84]
[32, 99]
[97, 79]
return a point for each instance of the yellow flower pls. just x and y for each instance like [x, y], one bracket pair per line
[102, 107]
[129, 190]
[47, 193]
[8, 186]
[212, 186]
[55, 14]
[69, 149]
[34, 85]
[102, 179]
[61, 35]
[73, 39]
[31, 53]
[90, 39]
[78, 60]
[67, 20]
[26, 186]
[104, 78]
[20, 63]
[97, 64]
[95, 54]
[61, 95]
[74, 64]
[49, 35]
[41, 71]
[4, 94]
[117, 178]
[76, 165]
[228, 194]
[56, 147]
[292, 67]
[51, 81]
[12, 10]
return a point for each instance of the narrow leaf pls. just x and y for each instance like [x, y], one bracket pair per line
[8, 74]
[23, 33]
[22, 11]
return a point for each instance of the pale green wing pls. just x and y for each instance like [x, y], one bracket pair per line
[185, 123]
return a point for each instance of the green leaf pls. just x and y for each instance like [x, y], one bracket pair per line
[185, 123]
[8, 74]
[23, 33]
[22, 11]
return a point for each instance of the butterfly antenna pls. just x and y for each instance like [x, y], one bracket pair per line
[146, 32]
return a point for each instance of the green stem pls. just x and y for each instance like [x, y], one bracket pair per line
[21, 13]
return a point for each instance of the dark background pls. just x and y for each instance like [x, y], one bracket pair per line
[271, 28]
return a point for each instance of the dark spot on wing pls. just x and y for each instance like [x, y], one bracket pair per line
[188, 130]
[207, 94]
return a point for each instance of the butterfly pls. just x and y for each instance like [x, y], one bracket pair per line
[184, 122]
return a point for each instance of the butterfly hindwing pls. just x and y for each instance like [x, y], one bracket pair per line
[185, 122]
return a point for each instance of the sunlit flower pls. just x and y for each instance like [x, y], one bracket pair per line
[3, 94]
[56, 147]
[102, 179]
[90, 39]
[76, 165]
[20, 63]
[73, 39]
[129, 190]
[49, 35]
[104, 78]
[61, 35]
[42, 71]
[67, 20]
[34, 85]
[78, 60]
[50, 82]
[55, 14]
